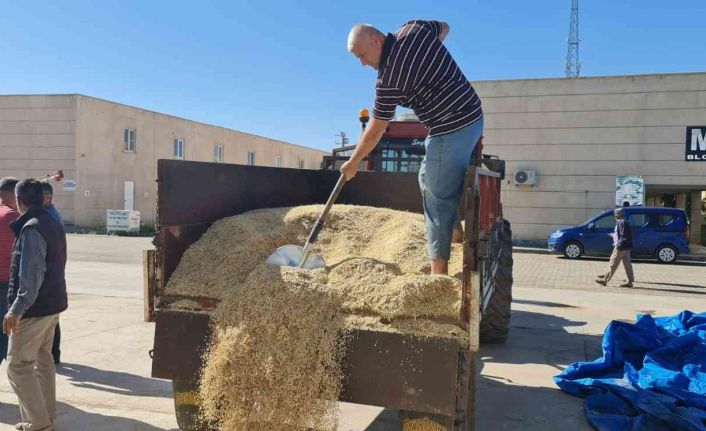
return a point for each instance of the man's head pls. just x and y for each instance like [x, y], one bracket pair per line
[618, 213]
[366, 42]
[29, 194]
[48, 193]
[7, 191]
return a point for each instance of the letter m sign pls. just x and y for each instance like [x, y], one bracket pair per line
[695, 144]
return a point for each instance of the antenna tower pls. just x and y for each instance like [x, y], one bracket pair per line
[344, 138]
[573, 65]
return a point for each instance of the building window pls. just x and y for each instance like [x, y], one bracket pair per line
[251, 158]
[219, 153]
[130, 138]
[278, 162]
[178, 148]
[411, 162]
[301, 163]
[389, 165]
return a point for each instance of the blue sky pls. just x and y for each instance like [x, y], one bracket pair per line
[281, 69]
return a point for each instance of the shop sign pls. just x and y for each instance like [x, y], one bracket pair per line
[629, 189]
[69, 185]
[695, 144]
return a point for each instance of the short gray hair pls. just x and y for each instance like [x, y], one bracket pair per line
[8, 184]
[358, 32]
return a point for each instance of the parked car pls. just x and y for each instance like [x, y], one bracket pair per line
[660, 233]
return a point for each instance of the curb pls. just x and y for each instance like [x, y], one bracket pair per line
[681, 258]
[529, 250]
[692, 258]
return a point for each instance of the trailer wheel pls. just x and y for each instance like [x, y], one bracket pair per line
[496, 292]
[186, 406]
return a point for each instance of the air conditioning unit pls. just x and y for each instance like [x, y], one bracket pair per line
[525, 178]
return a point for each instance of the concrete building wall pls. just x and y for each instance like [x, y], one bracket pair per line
[37, 138]
[104, 166]
[84, 136]
[579, 134]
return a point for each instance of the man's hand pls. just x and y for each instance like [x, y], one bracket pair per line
[367, 143]
[444, 31]
[349, 169]
[11, 323]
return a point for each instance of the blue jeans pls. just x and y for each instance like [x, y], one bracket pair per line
[441, 178]
[3, 312]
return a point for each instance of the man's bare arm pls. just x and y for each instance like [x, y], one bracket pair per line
[444, 30]
[367, 143]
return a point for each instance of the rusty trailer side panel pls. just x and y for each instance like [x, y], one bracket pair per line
[381, 368]
[180, 340]
[192, 195]
[432, 374]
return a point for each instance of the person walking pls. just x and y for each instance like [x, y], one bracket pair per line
[8, 214]
[416, 71]
[36, 296]
[622, 244]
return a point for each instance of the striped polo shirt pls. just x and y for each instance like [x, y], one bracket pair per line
[417, 72]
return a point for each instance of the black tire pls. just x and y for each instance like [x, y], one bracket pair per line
[666, 254]
[186, 406]
[496, 291]
[573, 250]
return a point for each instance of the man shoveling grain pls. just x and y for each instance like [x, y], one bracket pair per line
[415, 70]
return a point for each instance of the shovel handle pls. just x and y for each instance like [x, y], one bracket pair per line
[320, 221]
[322, 217]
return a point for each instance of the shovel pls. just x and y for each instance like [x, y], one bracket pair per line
[302, 257]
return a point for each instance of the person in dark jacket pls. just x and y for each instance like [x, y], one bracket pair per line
[622, 244]
[36, 296]
[56, 215]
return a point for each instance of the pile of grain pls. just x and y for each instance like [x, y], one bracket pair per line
[274, 358]
[274, 361]
[376, 258]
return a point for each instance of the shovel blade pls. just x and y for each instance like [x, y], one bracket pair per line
[290, 255]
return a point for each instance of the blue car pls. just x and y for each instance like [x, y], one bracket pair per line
[660, 233]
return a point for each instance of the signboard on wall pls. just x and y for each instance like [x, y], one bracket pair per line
[629, 189]
[695, 144]
[122, 221]
[69, 185]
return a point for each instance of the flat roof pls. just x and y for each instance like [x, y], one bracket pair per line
[160, 113]
[559, 78]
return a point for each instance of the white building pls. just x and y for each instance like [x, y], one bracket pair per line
[577, 135]
[109, 151]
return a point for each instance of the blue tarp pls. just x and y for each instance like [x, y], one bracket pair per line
[652, 376]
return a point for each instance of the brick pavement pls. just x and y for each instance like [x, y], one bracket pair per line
[557, 272]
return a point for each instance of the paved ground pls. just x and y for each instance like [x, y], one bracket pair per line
[652, 278]
[558, 316]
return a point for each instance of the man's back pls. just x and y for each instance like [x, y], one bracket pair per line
[418, 72]
[50, 283]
